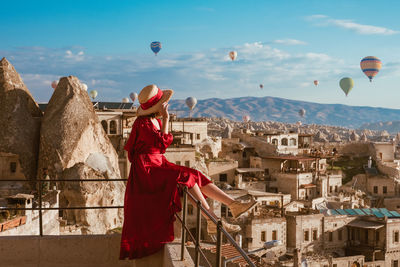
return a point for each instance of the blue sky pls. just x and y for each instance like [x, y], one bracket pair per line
[284, 45]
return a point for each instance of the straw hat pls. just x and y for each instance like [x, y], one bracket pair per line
[151, 98]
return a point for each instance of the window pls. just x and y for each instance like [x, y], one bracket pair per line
[190, 209]
[293, 142]
[284, 142]
[395, 263]
[334, 265]
[263, 236]
[336, 188]
[340, 234]
[223, 177]
[330, 236]
[274, 235]
[266, 171]
[315, 234]
[198, 136]
[187, 163]
[264, 203]
[178, 162]
[396, 237]
[375, 190]
[330, 189]
[275, 141]
[13, 167]
[384, 189]
[113, 127]
[105, 126]
[306, 235]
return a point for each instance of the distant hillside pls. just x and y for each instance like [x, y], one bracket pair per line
[285, 110]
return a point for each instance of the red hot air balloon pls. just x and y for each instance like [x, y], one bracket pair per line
[316, 82]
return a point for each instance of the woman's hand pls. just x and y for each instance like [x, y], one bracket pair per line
[164, 111]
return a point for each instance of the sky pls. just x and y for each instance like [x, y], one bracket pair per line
[284, 45]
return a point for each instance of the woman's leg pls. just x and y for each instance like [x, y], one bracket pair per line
[195, 191]
[212, 191]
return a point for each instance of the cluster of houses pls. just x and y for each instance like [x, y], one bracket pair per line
[301, 199]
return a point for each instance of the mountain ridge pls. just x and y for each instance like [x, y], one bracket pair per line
[286, 110]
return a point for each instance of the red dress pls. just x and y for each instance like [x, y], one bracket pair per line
[151, 196]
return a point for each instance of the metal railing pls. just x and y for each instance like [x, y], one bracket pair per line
[40, 208]
[220, 231]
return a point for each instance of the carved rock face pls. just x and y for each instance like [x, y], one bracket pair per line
[73, 145]
[19, 119]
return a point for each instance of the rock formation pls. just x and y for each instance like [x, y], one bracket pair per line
[227, 132]
[354, 137]
[335, 138]
[320, 137]
[19, 119]
[73, 145]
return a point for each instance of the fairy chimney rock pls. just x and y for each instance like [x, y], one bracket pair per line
[20, 119]
[74, 145]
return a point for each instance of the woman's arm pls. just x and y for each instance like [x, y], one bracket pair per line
[165, 117]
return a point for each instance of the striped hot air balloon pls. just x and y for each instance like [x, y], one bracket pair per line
[370, 66]
[155, 47]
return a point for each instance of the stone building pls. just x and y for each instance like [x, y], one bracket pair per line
[196, 127]
[285, 143]
[183, 155]
[222, 171]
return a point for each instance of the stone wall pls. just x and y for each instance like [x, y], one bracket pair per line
[184, 156]
[216, 168]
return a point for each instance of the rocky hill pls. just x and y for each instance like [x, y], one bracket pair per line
[389, 126]
[285, 110]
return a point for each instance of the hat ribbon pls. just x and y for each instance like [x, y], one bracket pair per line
[152, 101]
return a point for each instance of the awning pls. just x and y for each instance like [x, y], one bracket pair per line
[365, 224]
[306, 186]
[244, 170]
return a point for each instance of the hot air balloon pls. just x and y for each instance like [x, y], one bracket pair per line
[133, 96]
[316, 82]
[191, 103]
[155, 47]
[261, 86]
[346, 84]
[246, 118]
[125, 100]
[84, 86]
[54, 84]
[370, 66]
[302, 112]
[233, 55]
[93, 94]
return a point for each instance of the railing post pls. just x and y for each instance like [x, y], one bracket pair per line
[40, 209]
[184, 223]
[198, 231]
[219, 243]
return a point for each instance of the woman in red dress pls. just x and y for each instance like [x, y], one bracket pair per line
[152, 197]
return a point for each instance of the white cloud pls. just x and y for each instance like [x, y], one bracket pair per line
[202, 74]
[290, 42]
[351, 25]
[75, 57]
